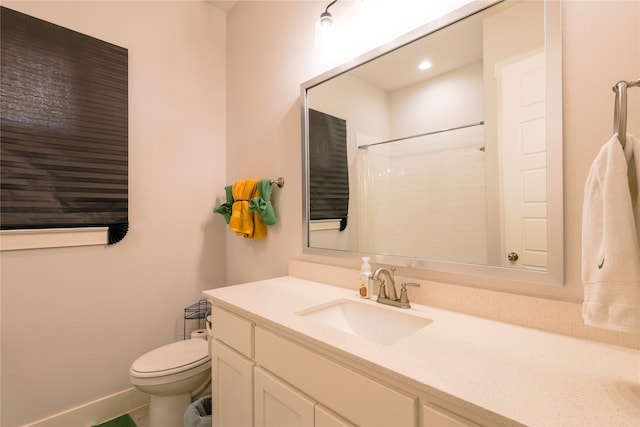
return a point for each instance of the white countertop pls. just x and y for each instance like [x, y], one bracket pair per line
[528, 376]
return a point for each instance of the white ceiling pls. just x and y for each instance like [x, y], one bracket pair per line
[447, 49]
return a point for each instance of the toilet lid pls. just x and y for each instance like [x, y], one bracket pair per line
[178, 356]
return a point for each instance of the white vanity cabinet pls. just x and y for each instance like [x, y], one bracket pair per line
[275, 366]
[263, 379]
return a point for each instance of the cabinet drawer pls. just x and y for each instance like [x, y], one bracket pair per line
[233, 330]
[434, 416]
[355, 397]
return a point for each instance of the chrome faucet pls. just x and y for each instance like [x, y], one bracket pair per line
[382, 294]
[392, 297]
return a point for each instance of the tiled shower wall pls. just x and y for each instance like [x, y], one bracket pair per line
[450, 168]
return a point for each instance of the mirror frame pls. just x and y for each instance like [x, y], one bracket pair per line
[554, 276]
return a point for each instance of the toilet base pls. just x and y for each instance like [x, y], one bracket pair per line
[168, 411]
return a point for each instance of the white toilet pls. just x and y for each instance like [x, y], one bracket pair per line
[171, 375]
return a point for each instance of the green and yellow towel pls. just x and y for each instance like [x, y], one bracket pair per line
[248, 209]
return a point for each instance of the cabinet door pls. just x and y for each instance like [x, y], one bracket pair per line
[278, 404]
[232, 387]
[326, 418]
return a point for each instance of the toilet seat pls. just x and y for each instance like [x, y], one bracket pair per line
[171, 359]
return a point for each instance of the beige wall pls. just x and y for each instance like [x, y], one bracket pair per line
[74, 319]
[271, 53]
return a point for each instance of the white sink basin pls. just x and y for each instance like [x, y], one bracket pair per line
[374, 322]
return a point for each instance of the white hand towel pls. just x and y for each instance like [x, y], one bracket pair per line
[610, 236]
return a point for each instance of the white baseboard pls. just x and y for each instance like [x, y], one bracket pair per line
[98, 411]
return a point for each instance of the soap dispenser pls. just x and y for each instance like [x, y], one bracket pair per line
[365, 278]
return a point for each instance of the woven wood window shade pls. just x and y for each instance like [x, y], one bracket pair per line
[328, 168]
[64, 128]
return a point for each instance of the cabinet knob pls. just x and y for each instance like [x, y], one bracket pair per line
[512, 256]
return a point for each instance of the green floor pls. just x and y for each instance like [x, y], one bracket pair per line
[123, 421]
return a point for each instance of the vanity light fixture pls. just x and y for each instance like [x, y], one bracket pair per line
[326, 19]
[323, 35]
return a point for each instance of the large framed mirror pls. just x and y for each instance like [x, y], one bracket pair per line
[443, 150]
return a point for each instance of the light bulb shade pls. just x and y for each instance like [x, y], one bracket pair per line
[324, 32]
[326, 20]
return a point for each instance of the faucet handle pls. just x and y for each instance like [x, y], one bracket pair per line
[382, 290]
[415, 285]
[403, 291]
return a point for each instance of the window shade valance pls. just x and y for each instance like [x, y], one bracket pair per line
[328, 168]
[64, 128]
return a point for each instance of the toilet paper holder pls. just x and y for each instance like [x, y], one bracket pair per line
[198, 312]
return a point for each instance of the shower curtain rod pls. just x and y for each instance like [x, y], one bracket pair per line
[364, 147]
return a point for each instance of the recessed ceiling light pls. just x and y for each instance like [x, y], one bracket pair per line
[424, 65]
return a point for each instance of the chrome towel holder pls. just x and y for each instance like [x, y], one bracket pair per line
[620, 108]
[278, 181]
